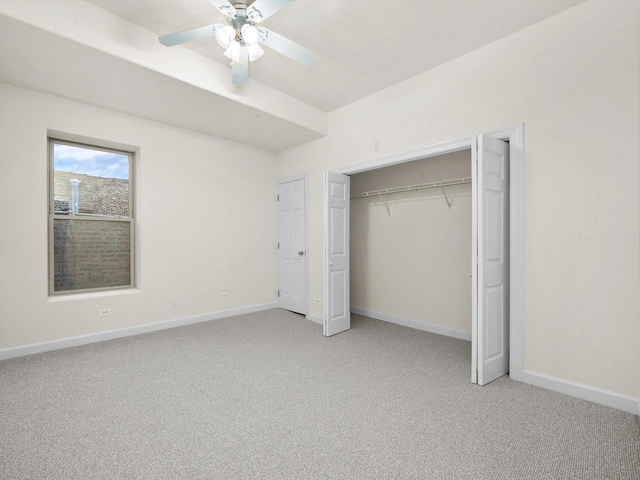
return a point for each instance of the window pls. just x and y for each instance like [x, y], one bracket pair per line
[90, 218]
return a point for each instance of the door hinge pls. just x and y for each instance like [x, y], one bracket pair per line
[278, 292]
[278, 245]
[278, 197]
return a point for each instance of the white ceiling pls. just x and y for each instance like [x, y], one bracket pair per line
[106, 53]
[362, 46]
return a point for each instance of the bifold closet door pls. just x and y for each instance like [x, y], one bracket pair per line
[490, 326]
[337, 305]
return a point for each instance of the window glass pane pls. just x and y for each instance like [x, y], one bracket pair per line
[91, 254]
[90, 181]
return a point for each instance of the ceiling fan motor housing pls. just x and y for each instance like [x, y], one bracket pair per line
[241, 17]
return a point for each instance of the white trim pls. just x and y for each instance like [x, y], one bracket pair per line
[315, 319]
[127, 332]
[325, 262]
[234, 312]
[584, 392]
[474, 260]
[515, 135]
[291, 178]
[407, 322]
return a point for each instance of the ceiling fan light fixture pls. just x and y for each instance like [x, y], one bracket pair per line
[255, 52]
[233, 52]
[249, 34]
[225, 36]
[239, 37]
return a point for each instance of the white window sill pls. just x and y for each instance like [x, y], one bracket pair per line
[62, 297]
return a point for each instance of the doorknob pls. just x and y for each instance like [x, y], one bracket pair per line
[330, 264]
[300, 252]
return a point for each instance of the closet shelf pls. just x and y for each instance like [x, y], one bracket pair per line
[410, 188]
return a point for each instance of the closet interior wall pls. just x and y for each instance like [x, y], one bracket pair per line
[411, 258]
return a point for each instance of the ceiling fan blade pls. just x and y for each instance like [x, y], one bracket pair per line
[240, 70]
[224, 7]
[286, 47]
[171, 39]
[261, 9]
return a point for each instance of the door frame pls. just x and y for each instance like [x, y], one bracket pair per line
[302, 176]
[514, 134]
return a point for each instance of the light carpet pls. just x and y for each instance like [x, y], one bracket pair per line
[265, 395]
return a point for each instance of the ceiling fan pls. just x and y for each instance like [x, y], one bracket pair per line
[240, 36]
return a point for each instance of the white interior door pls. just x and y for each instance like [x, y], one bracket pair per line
[337, 304]
[291, 256]
[490, 328]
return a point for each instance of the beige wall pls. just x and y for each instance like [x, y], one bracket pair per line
[415, 263]
[573, 81]
[199, 202]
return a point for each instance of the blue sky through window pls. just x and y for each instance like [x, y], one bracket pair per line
[98, 163]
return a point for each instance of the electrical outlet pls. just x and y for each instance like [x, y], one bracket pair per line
[223, 295]
[318, 301]
[105, 311]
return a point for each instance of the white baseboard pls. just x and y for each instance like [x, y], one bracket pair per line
[127, 332]
[406, 322]
[251, 309]
[315, 319]
[584, 392]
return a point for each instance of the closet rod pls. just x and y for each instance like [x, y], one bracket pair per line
[410, 188]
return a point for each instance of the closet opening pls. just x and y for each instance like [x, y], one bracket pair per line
[493, 266]
[410, 230]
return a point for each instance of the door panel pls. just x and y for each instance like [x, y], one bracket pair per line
[337, 232]
[291, 256]
[491, 231]
[337, 316]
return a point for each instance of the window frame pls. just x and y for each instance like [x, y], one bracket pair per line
[87, 216]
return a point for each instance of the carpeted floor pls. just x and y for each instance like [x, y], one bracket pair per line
[265, 395]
